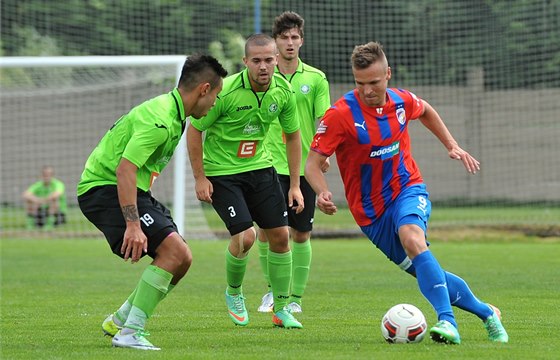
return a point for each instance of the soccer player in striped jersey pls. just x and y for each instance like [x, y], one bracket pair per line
[312, 95]
[367, 128]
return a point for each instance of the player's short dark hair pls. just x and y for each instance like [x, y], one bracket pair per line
[365, 55]
[286, 21]
[200, 68]
[258, 40]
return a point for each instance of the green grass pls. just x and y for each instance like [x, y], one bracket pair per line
[526, 217]
[56, 293]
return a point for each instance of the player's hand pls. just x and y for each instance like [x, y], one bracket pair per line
[325, 203]
[134, 242]
[204, 190]
[295, 199]
[469, 162]
[325, 165]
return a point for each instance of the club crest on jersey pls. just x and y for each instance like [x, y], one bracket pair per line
[273, 107]
[401, 116]
[385, 152]
[305, 89]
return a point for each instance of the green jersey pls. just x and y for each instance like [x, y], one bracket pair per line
[239, 121]
[313, 99]
[147, 137]
[42, 190]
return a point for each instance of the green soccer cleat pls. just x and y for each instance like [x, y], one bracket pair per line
[109, 327]
[135, 340]
[284, 318]
[493, 324]
[445, 332]
[236, 309]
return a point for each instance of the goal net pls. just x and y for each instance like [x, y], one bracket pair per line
[490, 68]
[54, 110]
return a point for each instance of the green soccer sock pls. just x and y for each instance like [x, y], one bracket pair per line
[263, 259]
[235, 272]
[122, 313]
[30, 222]
[49, 222]
[301, 257]
[280, 273]
[151, 289]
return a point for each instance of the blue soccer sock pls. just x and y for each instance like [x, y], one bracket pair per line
[432, 284]
[462, 297]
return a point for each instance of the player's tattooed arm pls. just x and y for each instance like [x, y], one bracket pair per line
[130, 213]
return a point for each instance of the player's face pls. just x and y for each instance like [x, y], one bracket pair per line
[372, 82]
[206, 101]
[260, 61]
[47, 175]
[288, 44]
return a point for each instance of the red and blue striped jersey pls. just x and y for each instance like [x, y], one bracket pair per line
[372, 147]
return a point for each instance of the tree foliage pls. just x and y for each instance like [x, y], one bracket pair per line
[427, 41]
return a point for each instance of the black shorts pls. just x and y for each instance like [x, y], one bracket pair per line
[43, 213]
[101, 207]
[303, 221]
[242, 198]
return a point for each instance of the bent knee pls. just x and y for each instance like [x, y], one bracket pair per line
[175, 252]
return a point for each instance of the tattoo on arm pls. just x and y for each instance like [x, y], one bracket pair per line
[130, 213]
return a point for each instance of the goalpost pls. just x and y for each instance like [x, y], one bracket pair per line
[46, 95]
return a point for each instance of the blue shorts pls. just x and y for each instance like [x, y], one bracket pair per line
[412, 206]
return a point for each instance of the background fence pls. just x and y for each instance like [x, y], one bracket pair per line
[491, 68]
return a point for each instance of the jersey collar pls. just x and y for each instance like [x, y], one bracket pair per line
[289, 77]
[179, 103]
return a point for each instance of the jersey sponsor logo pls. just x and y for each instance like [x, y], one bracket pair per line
[244, 107]
[251, 129]
[401, 116]
[322, 128]
[385, 152]
[305, 89]
[247, 149]
[273, 108]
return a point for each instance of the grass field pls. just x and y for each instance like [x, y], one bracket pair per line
[56, 293]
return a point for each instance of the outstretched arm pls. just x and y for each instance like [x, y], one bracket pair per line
[316, 178]
[431, 120]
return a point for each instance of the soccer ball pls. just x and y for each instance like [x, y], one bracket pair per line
[403, 323]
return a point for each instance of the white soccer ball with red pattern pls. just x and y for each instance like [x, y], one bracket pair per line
[404, 323]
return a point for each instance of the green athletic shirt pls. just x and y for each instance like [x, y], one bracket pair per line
[313, 99]
[238, 123]
[41, 190]
[147, 136]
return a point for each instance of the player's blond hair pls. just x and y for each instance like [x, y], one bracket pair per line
[365, 55]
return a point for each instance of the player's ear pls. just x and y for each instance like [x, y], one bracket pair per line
[204, 89]
[388, 73]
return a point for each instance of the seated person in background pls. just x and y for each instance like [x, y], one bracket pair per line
[45, 201]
